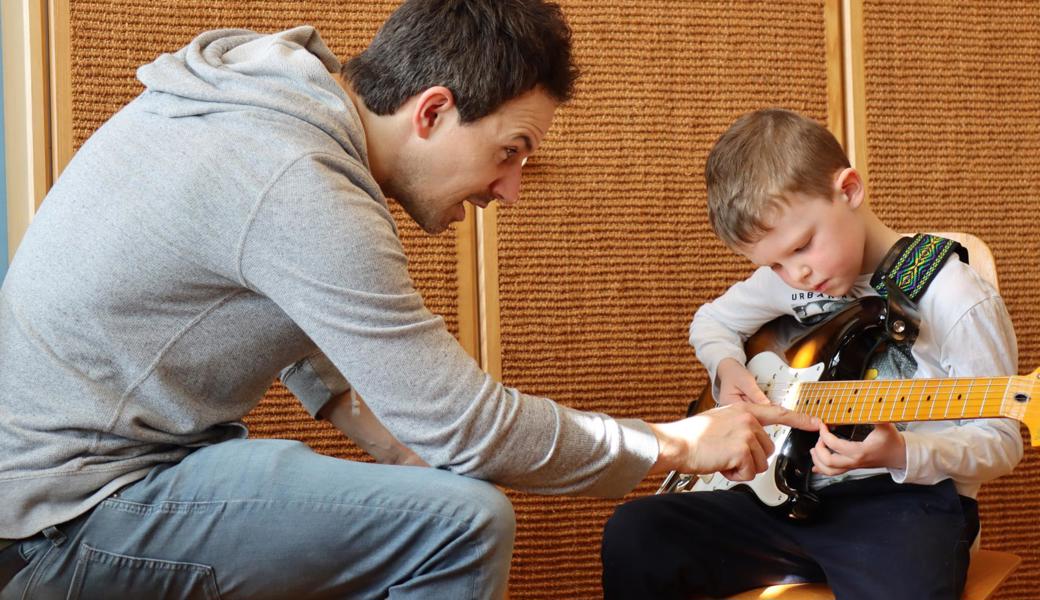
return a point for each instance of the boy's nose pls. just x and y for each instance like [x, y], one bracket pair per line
[802, 273]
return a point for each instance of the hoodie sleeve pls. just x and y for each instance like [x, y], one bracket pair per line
[321, 244]
[314, 381]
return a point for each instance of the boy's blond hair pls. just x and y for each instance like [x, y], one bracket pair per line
[758, 162]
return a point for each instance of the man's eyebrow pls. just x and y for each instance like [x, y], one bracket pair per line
[527, 142]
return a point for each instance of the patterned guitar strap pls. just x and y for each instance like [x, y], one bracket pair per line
[913, 262]
[911, 265]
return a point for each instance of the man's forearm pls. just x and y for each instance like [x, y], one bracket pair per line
[349, 413]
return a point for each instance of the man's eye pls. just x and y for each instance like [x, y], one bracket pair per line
[511, 152]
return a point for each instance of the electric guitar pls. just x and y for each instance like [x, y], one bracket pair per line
[820, 371]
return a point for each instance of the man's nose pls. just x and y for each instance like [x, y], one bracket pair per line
[506, 189]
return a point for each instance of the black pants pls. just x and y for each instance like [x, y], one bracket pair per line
[871, 539]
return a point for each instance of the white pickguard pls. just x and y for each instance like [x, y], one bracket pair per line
[779, 382]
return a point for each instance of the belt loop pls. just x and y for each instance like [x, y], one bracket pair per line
[54, 535]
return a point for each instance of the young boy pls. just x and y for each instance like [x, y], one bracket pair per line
[897, 514]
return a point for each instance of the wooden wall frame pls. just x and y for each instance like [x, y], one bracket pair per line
[854, 85]
[490, 320]
[833, 21]
[27, 140]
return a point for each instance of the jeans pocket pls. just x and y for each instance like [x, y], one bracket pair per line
[111, 576]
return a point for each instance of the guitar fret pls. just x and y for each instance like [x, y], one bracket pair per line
[835, 408]
[891, 402]
[892, 399]
[963, 398]
[855, 398]
[880, 399]
[903, 399]
[917, 407]
[1003, 399]
[953, 387]
[848, 401]
[843, 406]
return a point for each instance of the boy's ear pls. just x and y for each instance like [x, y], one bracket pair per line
[849, 185]
[430, 109]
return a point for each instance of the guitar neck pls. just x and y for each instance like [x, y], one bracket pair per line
[894, 400]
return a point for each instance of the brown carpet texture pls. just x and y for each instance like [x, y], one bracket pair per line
[608, 254]
[953, 126]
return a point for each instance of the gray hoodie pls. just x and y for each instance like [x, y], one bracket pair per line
[221, 229]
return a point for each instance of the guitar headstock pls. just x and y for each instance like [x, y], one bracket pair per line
[1023, 406]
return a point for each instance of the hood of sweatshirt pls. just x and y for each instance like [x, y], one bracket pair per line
[233, 69]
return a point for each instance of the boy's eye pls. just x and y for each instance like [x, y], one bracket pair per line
[803, 246]
[510, 152]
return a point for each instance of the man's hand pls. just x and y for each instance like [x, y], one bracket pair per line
[728, 439]
[883, 447]
[737, 384]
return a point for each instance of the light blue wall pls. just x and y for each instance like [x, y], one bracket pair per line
[3, 177]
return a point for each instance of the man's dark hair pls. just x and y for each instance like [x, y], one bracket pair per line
[487, 52]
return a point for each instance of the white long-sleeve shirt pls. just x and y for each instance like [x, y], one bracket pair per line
[965, 331]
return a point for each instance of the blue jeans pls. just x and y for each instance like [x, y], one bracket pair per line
[272, 519]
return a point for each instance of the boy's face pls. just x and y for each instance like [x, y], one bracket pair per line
[814, 244]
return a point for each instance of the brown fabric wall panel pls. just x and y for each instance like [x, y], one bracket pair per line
[111, 38]
[953, 136]
[608, 253]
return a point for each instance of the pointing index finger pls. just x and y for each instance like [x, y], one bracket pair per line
[771, 414]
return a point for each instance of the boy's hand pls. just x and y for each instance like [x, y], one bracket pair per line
[884, 447]
[737, 384]
[728, 439]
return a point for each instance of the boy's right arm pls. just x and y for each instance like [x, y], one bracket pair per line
[720, 327]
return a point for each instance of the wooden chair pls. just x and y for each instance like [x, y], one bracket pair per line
[979, 254]
[988, 568]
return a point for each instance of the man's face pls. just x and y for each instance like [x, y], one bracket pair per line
[476, 162]
[813, 244]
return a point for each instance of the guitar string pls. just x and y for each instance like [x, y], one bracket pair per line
[838, 397]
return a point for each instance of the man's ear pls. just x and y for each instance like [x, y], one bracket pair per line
[849, 185]
[431, 108]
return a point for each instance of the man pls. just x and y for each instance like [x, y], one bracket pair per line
[230, 225]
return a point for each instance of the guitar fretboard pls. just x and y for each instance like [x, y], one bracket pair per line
[893, 400]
